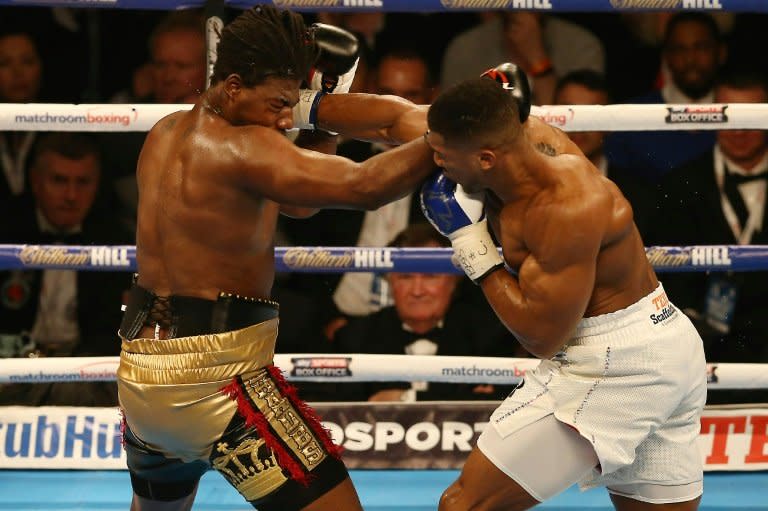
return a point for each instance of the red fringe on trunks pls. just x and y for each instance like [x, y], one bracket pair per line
[255, 418]
[123, 425]
[306, 411]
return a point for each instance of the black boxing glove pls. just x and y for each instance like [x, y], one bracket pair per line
[336, 64]
[513, 79]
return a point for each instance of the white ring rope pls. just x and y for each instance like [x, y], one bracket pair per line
[619, 117]
[357, 368]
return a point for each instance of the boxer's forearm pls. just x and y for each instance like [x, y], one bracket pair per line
[393, 174]
[387, 119]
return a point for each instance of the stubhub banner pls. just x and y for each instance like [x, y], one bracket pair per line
[60, 437]
[403, 435]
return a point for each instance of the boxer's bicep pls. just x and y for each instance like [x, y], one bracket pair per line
[558, 277]
[288, 174]
[544, 303]
[557, 292]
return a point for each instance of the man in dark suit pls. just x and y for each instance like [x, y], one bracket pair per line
[720, 199]
[63, 312]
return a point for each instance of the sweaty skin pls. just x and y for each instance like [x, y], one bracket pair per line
[212, 181]
[565, 229]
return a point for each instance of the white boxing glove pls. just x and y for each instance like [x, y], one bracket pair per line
[305, 111]
[460, 216]
[333, 73]
[336, 84]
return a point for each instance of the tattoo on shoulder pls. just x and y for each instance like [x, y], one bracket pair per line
[546, 149]
[170, 123]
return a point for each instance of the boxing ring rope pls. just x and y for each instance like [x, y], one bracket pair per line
[361, 367]
[424, 5]
[617, 117]
[357, 367]
[693, 258]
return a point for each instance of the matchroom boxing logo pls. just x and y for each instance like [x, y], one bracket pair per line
[116, 115]
[709, 114]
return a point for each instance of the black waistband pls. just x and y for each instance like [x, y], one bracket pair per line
[183, 316]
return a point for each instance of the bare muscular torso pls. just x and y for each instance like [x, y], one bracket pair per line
[200, 232]
[623, 273]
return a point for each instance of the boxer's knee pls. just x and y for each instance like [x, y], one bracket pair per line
[452, 498]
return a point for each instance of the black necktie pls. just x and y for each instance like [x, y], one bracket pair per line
[731, 189]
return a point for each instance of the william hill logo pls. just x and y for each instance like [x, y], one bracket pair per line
[328, 3]
[362, 258]
[666, 4]
[496, 4]
[62, 257]
[713, 114]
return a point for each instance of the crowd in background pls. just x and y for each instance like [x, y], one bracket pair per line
[685, 187]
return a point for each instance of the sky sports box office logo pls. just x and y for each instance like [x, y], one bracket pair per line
[708, 114]
[322, 367]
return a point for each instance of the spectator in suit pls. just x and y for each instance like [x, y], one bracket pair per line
[719, 199]
[545, 47]
[693, 53]
[588, 87]
[63, 312]
[430, 316]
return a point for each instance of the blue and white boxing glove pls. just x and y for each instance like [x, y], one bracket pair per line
[460, 216]
[333, 72]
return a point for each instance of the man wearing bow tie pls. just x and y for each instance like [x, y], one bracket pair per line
[432, 315]
[62, 312]
[720, 199]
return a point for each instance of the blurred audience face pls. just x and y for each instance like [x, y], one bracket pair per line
[745, 147]
[64, 188]
[20, 69]
[178, 66]
[693, 56]
[422, 299]
[361, 82]
[590, 142]
[404, 77]
[364, 24]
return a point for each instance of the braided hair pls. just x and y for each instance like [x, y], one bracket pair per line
[265, 42]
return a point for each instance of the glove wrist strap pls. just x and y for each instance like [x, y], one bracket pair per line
[474, 251]
[305, 111]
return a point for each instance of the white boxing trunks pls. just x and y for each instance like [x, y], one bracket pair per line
[633, 384]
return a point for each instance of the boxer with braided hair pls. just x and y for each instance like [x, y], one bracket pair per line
[196, 381]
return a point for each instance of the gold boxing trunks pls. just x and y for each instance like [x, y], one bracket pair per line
[216, 399]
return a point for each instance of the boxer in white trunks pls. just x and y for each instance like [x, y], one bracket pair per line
[618, 396]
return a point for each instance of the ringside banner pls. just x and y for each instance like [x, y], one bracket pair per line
[412, 436]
